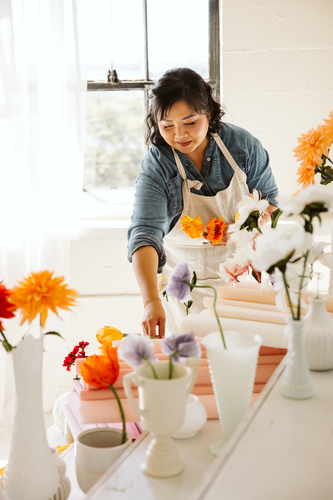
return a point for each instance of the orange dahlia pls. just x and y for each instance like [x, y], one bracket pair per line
[312, 146]
[194, 228]
[306, 173]
[215, 229]
[40, 292]
[328, 127]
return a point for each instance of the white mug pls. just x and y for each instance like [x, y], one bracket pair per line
[95, 451]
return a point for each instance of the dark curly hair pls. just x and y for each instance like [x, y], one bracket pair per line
[180, 84]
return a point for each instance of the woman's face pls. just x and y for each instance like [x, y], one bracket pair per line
[184, 129]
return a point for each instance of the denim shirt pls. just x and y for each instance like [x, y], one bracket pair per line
[158, 201]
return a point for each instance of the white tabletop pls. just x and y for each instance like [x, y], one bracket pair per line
[282, 450]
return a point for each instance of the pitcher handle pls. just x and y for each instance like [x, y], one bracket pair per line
[194, 364]
[128, 390]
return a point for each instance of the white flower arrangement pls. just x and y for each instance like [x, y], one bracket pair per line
[287, 251]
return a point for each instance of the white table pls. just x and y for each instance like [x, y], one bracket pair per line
[282, 450]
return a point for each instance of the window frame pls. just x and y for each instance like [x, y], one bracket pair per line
[214, 64]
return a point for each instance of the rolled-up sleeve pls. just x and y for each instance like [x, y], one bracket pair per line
[148, 221]
[260, 175]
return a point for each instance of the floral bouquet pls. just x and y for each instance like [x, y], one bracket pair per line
[35, 295]
[194, 228]
[286, 252]
[313, 152]
[252, 213]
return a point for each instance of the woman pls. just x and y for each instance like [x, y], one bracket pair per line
[196, 166]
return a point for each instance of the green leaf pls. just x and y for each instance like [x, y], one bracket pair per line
[281, 264]
[275, 217]
[54, 333]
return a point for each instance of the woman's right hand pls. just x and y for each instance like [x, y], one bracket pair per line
[153, 321]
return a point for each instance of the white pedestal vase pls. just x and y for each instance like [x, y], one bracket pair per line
[296, 377]
[162, 406]
[31, 472]
[232, 371]
[318, 335]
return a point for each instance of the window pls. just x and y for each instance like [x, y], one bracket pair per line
[132, 43]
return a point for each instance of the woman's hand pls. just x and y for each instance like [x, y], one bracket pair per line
[153, 321]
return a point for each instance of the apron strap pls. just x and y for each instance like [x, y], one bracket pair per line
[195, 184]
[179, 165]
[225, 151]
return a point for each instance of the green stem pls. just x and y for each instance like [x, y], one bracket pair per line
[171, 363]
[288, 296]
[123, 436]
[5, 342]
[151, 366]
[301, 286]
[214, 307]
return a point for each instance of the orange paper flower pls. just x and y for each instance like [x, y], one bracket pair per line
[40, 292]
[194, 228]
[101, 371]
[215, 230]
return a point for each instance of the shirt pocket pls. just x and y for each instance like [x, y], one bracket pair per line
[224, 171]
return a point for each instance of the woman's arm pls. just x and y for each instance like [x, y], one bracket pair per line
[145, 264]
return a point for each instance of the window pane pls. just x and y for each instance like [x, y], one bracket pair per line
[177, 36]
[111, 37]
[114, 139]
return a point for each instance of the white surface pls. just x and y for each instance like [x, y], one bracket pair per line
[283, 450]
[286, 453]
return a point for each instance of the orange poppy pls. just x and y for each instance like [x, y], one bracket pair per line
[215, 229]
[101, 371]
[107, 334]
[194, 228]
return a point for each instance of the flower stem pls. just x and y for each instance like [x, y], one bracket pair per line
[151, 366]
[288, 296]
[123, 436]
[171, 363]
[214, 307]
[301, 286]
[5, 342]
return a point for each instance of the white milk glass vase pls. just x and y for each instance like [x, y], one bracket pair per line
[232, 372]
[162, 407]
[296, 382]
[31, 472]
[318, 335]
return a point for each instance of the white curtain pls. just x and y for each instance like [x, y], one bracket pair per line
[42, 110]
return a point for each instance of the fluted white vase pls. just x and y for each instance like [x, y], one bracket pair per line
[318, 335]
[31, 472]
[232, 372]
[296, 382]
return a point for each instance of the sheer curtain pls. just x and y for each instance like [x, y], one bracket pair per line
[42, 99]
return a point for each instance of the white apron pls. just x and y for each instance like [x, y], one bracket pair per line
[200, 255]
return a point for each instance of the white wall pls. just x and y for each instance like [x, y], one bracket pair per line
[278, 73]
[277, 83]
